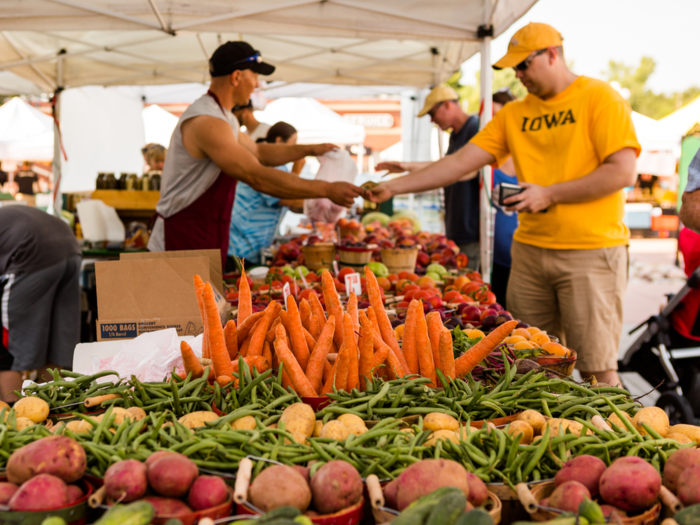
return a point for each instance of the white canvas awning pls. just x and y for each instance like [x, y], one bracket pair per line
[158, 125]
[140, 42]
[25, 132]
[660, 147]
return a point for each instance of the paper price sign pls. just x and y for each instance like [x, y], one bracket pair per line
[335, 268]
[286, 291]
[352, 284]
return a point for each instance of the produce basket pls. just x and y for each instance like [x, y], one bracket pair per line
[354, 257]
[399, 260]
[317, 403]
[544, 490]
[319, 256]
[511, 508]
[75, 513]
[562, 365]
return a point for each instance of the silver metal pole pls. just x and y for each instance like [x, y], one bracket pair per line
[487, 214]
[56, 164]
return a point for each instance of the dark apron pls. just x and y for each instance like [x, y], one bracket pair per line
[205, 223]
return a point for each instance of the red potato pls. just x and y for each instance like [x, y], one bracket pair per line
[336, 485]
[59, 456]
[6, 491]
[207, 492]
[168, 507]
[544, 502]
[478, 493]
[584, 469]
[568, 496]
[304, 471]
[677, 463]
[172, 475]
[280, 486]
[428, 475]
[42, 492]
[609, 510]
[74, 493]
[630, 484]
[157, 455]
[689, 486]
[126, 481]
[390, 491]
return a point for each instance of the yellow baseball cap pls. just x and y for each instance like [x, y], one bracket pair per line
[437, 95]
[532, 37]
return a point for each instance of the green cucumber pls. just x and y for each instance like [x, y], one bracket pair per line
[688, 516]
[54, 520]
[280, 512]
[136, 513]
[475, 517]
[448, 509]
[417, 512]
[591, 511]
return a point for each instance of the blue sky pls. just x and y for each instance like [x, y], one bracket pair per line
[596, 31]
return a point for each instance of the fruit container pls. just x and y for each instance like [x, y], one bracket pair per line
[319, 256]
[349, 516]
[562, 365]
[317, 403]
[354, 257]
[511, 509]
[220, 511]
[75, 513]
[544, 490]
[399, 260]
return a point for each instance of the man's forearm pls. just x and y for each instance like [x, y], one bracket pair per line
[278, 154]
[690, 210]
[415, 166]
[280, 184]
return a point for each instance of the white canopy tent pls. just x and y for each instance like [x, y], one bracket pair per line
[355, 42]
[25, 132]
[660, 149]
[314, 122]
[158, 125]
[681, 121]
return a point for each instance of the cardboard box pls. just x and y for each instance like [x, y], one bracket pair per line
[215, 272]
[138, 295]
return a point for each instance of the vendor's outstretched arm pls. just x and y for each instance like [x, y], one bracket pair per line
[438, 174]
[211, 137]
[278, 154]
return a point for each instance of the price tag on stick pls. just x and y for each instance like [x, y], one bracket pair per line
[352, 284]
[335, 268]
[286, 292]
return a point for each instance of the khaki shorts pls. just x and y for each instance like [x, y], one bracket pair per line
[576, 295]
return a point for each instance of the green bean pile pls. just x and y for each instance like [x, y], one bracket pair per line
[470, 400]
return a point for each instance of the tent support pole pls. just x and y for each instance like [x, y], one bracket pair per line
[486, 232]
[57, 146]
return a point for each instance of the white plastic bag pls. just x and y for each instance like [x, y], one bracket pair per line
[336, 166]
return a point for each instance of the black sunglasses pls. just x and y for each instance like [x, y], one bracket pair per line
[526, 63]
[432, 112]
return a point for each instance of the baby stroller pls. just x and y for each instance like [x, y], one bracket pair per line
[676, 368]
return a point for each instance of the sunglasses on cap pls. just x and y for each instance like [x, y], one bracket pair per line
[253, 58]
[526, 63]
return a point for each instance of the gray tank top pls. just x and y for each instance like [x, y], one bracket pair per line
[186, 178]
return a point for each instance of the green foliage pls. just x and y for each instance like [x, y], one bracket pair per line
[469, 95]
[642, 99]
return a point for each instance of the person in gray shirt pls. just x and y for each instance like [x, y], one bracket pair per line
[690, 210]
[39, 295]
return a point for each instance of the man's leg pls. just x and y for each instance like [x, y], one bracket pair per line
[530, 295]
[591, 286]
[65, 316]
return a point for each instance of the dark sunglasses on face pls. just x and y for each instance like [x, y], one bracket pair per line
[526, 63]
[435, 108]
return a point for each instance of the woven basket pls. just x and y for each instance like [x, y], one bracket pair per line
[319, 256]
[399, 260]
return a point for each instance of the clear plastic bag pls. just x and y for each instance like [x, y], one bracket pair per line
[336, 166]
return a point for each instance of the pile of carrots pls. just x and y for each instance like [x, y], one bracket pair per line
[301, 339]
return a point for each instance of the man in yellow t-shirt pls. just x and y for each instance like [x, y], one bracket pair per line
[574, 147]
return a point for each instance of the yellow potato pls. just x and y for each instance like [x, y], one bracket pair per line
[681, 438]
[137, 413]
[534, 419]
[34, 408]
[691, 431]
[24, 422]
[274, 425]
[358, 430]
[524, 428]
[614, 419]
[301, 438]
[335, 430]
[436, 436]
[300, 418]
[572, 426]
[351, 419]
[655, 417]
[244, 423]
[437, 421]
[79, 426]
[3, 405]
[408, 431]
[197, 419]
[317, 428]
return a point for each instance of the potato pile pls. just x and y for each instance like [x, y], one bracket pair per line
[83, 426]
[26, 412]
[682, 475]
[172, 476]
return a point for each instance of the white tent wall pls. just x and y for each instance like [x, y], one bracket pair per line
[25, 132]
[102, 130]
[158, 125]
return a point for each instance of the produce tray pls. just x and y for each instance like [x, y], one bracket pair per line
[220, 511]
[350, 516]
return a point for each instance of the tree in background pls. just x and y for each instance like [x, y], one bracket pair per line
[642, 99]
[470, 95]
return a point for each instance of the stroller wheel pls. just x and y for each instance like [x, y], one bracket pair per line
[677, 407]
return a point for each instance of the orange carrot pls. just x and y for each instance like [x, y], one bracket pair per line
[224, 381]
[267, 354]
[198, 289]
[350, 343]
[353, 312]
[383, 323]
[333, 305]
[190, 361]
[378, 335]
[217, 343]
[317, 308]
[314, 327]
[260, 362]
[319, 355]
[305, 313]
[301, 383]
[292, 322]
[447, 356]
[434, 330]
[381, 350]
[409, 345]
[243, 329]
[245, 299]
[426, 365]
[341, 373]
[257, 337]
[327, 370]
[243, 351]
[273, 330]
[330, 379]
[231, 339]
[366, 355]
[477, 353]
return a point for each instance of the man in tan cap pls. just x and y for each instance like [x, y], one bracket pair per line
[574, 147]
[461, 197]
